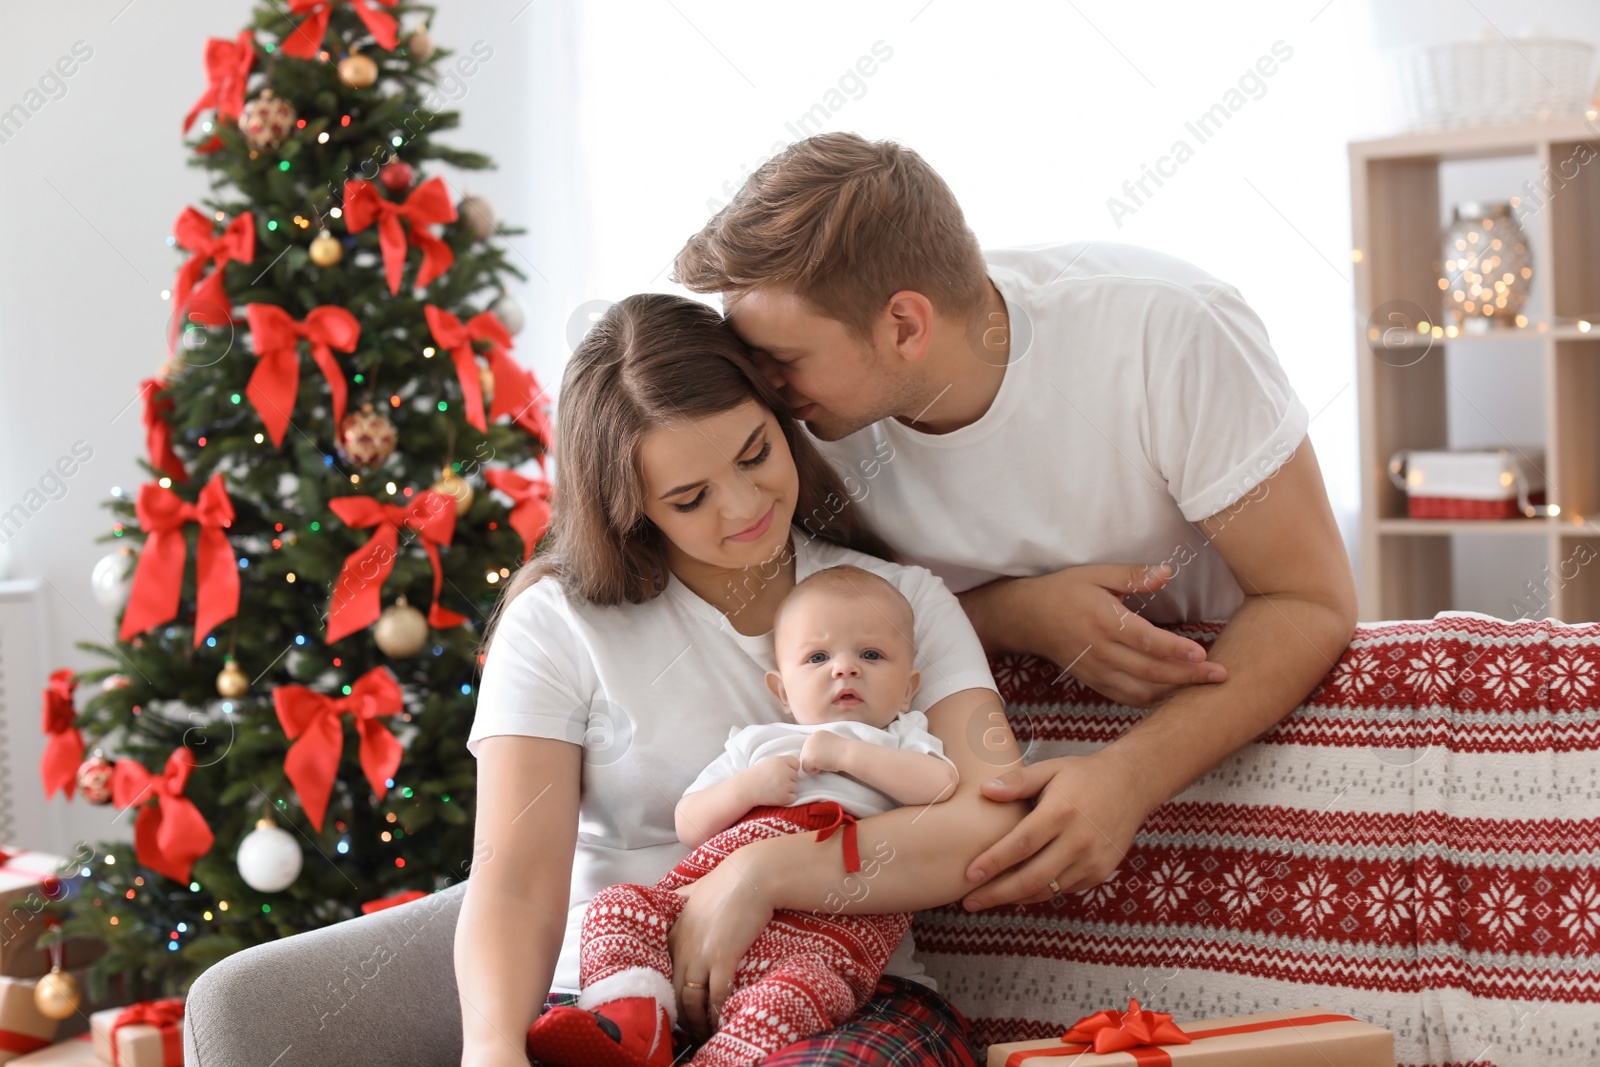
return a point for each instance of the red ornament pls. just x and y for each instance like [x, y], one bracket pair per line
[94, 779]
[396, 176]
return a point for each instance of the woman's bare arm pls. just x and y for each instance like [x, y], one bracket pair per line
[514, 915]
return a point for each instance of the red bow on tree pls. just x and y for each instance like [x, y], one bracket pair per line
[158, 432]
[356, 603]
[1117, 1031]
[227, 72]
[207, 302]
[306, 40]
[315, 723]
[516, 391]
[530, 504]
[165, 1015]
[158, 579]
[64, 751]
[170, 834]
[428, 203]
[276, 380]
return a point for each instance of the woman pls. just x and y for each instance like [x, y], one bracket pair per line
[620, 657]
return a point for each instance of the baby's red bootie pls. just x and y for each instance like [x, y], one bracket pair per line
[629, 1032]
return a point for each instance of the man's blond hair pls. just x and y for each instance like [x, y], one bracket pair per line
[845, 223]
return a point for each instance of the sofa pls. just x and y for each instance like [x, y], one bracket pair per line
[1416, 846]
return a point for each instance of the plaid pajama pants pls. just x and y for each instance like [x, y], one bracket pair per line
[810, 989]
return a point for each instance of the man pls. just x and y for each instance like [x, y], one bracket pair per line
[1027, 422]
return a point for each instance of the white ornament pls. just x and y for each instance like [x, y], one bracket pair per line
[112, 578]
[509, 312]
[269, 858]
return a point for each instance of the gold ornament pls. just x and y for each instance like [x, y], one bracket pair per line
[358, 71]
[232, 683]
[420, 44]
[266, 122]
[326, 250]
[486, 383]
[57, 995]
[366, 437]
[456, 488]
[479, 215]
[401, 630]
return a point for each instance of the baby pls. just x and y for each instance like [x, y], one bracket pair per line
[842, 641]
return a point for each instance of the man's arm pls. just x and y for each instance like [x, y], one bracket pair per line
[1284, 548]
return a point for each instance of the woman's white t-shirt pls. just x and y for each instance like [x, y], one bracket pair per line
[749, 745]
[650, 691]
[1141, 396]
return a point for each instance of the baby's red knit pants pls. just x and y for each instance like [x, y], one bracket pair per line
[806, 972]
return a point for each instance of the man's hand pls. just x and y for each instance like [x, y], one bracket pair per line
[1087, 812]
[1105, 644]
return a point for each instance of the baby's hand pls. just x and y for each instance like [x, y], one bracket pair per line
[823, 751]
[775, 781]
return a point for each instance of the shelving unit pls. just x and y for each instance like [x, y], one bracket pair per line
[1395, 203]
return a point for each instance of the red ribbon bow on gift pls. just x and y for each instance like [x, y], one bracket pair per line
[405, 896]
[275, 382]
[843, 820]
[356, 604]
[1118, 1031]
[158, 432]
[427, 204]
[206, 302]
[315, 723]
[158, 579]
[227, 72]
[170, 834]
[164, 1014]
[64, 751]
[530, 504]
[306, 40]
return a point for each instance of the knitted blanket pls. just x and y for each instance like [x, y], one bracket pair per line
[1416, 846]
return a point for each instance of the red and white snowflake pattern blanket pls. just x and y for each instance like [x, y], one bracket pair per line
[1418, 845]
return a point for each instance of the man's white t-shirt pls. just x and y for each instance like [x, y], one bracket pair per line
[651, 690]
[1141, 395]
[749, 745]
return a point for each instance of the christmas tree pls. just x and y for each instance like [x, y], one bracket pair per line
[331, 446]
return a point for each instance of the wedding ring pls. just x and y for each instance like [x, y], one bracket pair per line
[694, 985]
[1054, 886]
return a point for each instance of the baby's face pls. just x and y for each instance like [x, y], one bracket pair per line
[842, 656]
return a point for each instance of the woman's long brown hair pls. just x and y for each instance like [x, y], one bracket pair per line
[654, 359]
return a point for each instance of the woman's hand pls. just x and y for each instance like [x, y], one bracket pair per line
[725, 913]
[1087, 811]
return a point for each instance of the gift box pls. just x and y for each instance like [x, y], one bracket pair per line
[1485, 484]
[23, 1028]
[27, 881]
[147, 1034]
[1311, 1037]
[79, 1052]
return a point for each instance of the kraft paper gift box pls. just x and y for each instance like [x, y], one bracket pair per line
[23, 1028]
[27, 880]
[1311, 1037]
[79, 1052]
[157, 1042]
